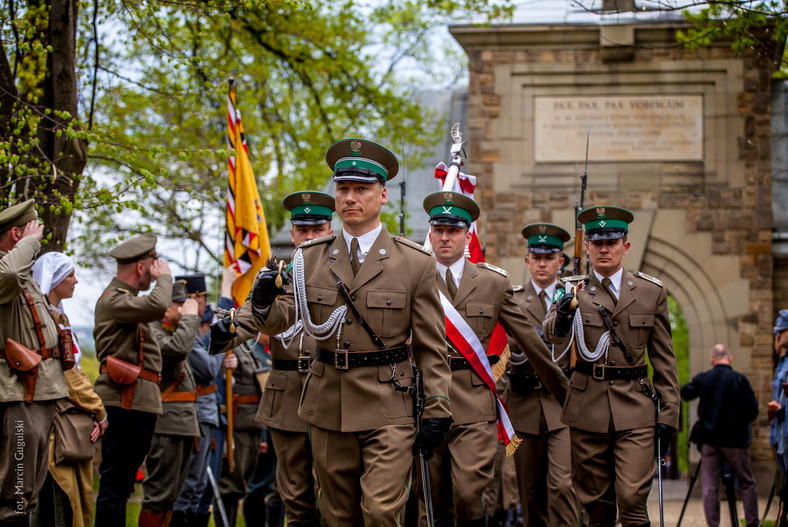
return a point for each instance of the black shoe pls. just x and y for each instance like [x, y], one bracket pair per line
[112, 516]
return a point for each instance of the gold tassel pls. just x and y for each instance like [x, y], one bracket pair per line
[499, 368]
[513, 445]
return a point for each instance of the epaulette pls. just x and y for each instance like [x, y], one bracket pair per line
[518, 288]
[316, 241]
[651, 279]
[575, 278]
[408, 243]
[485, 265]
[121, 290]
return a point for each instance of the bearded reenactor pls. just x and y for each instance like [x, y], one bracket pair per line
[475, 298]
[362, 295]
[31, 372]
[291, 353]
[130, 369]
[544, 459]
[167, 464]
[611, 403]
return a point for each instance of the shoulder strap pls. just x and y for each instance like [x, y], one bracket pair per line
[36, 320]
[349, 301]
[141, 340]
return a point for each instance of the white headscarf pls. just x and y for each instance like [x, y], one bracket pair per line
[49, 271]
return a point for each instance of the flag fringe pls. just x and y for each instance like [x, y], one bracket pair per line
[499, 368]
[513, 445]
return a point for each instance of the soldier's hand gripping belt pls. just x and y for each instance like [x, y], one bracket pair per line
[266, 286]
[566, 314]
[663, 432]
[432, 433]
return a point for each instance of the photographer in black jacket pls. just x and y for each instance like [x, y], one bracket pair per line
[727, 407]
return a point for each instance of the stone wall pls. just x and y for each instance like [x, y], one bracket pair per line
[703, 227]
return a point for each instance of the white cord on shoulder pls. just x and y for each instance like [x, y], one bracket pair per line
[318, 332]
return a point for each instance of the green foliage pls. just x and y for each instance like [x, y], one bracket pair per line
[678, 326]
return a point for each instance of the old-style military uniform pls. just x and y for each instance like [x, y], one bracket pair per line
[167, 463]
[544, 459]
[608, 408]
[204, 367]
[233, 486]
[124, 330]
[24, 434]
[482, 295]
[362, 422]
[291, 354]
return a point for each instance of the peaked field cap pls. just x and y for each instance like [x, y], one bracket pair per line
[309, 207]
[451, 208]
[137, 248]
[361, 160]
[194, 283]
[781, 322]
[545, 238]
[605, 222]
[18, 215]
[179, 293]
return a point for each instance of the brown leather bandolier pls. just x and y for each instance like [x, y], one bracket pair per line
[206, 390]
[169, 395]
[65, 350]
[125, 375]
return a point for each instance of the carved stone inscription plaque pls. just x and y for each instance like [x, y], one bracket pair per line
[621, 128]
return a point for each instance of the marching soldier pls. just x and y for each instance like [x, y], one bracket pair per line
[544, 459]
[31, 374]
[475, 297]
[167, 464]
[291, 353]
[611, 403]
[356, 397]
[130, 369]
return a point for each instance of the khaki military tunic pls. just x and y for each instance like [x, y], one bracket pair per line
[483, 298]
[119, 311]
[356, 413]
[544, 459]
[605, 414]
[16, 322]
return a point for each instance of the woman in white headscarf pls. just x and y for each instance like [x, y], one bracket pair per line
[67, 496]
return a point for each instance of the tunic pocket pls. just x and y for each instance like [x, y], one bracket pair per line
[573, 406]
[640, 327]
[273, 395]
[480, 317]
[393, 403]
[321, 301]
[310, 395]
[386, 312]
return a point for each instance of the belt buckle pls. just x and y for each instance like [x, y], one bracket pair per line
[303, 363]
[341, 361]
[599, 372]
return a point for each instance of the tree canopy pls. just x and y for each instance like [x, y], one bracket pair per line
[115, 112]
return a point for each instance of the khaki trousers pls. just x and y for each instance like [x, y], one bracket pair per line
[615, 468]
[363, 477]
[544, 476]
[295, 477]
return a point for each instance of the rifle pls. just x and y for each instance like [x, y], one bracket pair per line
[577, 266]
[418, 402]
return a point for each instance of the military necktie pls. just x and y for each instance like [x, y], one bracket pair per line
[450, 285]
[606, 283]
[542, 295]
[354, 263]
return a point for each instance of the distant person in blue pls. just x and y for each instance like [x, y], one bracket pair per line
[727, 407]
[776, 408]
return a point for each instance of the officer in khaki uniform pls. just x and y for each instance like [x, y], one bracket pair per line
[24, 318]
[544, 459]
[130, 369]
[610, 413]
[482, 295]
[291, 354]
[167, 463]
[355, 399]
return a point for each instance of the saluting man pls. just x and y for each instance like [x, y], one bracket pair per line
[544, 459]
[130, 369]
[610, 408]
[355, 399]
[481, 295]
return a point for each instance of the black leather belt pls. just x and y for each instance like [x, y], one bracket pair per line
[345, 359]
[461, 363]
[601, 372]
[301, 364]
[525, 383]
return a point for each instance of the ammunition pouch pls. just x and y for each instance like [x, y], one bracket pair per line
[124, 375]
[67, 360]
[24, 363]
